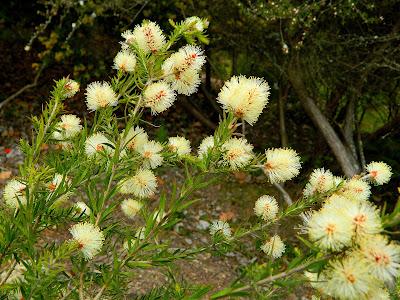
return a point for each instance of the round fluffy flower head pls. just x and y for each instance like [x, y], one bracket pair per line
[179, 145]
[143, 184]
[274, 247]
[89, 238]
[82, 208]
[68, 127]
[131, 207]
[379, 293]
[221, 227]
[266, 207]
[14, 191]
[321, 181]
[365, 218]
[182, 69]
[330, 229]
[148, 37]
[282, 164]
[196, 24]
[56, 182]
[187, 83]
[71, 87]
[237, 153]
[125, 61]
[349, 279]
[379, 172]
[356, 189]
[159, 96]
[151, 154]
[135, 138]
[244, 97]
[97, 143]
[100, 95]
[15, 276]
[206, 143]
[383, 257]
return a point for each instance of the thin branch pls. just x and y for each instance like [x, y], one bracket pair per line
[281, 275]
[103, 288]
[81, 296]
[8, 273]
[284, 193]
[196, 113]
[23, 89]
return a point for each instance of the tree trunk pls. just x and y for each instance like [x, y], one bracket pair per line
[347, 161]
[348, 128]
[282, 121]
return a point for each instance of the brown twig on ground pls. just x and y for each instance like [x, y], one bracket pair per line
[23, 89]
[196, 113]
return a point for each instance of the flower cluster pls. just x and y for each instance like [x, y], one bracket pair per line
[110, 170]
[348, 222]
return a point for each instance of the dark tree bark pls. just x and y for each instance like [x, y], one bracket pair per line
[283, 94]
[347, 161]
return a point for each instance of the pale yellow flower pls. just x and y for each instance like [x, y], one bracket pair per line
[274, 247]
[100, 95]
[244, 97]
[281, 164]
[89, 237]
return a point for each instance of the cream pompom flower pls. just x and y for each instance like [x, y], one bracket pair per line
[379, 293]
[365, 218]
[143, 184]
[151, 154]
[14, 192]
[57, 181]
[206, 144]
[187, 82]
[321, 181]
[355, 189]
[100, 95]
[16, 275]
[148, 37]
[68, 127]
[82, 208]
[135, 138]
[349, 279]
[182, 69]
[244, 97]
[196, 24]
[97, 143]
[281, 164]
[274, 246]
[89, 237]
[222, 228]
[330, 229]
[179, 145]
[125, 61]
[379, 172]
[131, 207]
[71, 87]
[266, 207]
[159, 96]
[237, 153]
[382, 256]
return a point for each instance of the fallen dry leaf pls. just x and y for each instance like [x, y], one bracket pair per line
[5, 175]
[226, 216]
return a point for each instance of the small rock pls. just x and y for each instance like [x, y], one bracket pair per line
[202, 225]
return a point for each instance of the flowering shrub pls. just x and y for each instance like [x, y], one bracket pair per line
[94, 170]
